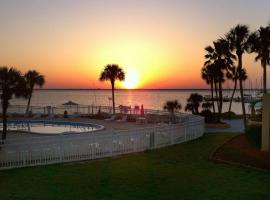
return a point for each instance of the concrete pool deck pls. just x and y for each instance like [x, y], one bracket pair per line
[110, 127]
[236, 125]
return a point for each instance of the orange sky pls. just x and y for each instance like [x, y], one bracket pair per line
[162, 41]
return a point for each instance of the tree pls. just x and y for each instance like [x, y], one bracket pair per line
[208, 74]
[33, 78]
[206, 105]
[171, 107]
[238, 38]
[112, 72]
[12, 83]
[193, 103]
[259, 43]
[220, 56]
[233, 75]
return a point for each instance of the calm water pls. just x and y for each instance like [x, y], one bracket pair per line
[151, 99]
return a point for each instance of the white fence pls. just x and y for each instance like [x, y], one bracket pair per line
[66, 148]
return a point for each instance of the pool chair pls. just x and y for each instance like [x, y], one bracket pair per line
[50, 116]
[112, 118]
[141, 120]
[124, 119]
[75, 115]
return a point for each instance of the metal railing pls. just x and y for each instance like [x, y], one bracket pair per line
[79, 109]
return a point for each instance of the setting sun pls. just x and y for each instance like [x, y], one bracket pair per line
[132, 79]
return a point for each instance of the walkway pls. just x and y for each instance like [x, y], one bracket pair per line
[236, 125]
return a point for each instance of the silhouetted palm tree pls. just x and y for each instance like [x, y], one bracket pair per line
[32, 79]
[222, 59]
[112, 72]
[210, 56]
[193, 103]
[208, 74]
[11, 83]
[206, 105]
[259, 42]
[172, 106]
[238, 39]
[243, 74]
[232, 75]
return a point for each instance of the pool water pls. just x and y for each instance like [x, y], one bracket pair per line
[51, 127]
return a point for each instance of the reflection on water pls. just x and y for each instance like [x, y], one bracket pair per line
[151, 99]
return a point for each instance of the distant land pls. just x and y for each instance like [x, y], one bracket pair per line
[182, 89]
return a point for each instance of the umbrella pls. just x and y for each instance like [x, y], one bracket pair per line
[70, 103]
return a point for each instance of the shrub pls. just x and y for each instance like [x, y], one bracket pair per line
[208, 116]
[229, 115]
[65, 114]
[254, 134]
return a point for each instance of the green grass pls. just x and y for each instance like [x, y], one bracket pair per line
[179, 172]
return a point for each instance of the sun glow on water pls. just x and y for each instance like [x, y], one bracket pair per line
[132, 79]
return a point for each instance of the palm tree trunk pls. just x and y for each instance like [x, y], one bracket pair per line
[216, 91]
[4, 109]
[28, 103]
[220, 99]
[113, 97]
[235, 85]
[264, 78]
[197, 109]
[241, 91]
[212, 96]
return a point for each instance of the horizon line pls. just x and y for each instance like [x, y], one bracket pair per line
[137, 89]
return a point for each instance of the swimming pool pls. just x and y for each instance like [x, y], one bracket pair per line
[51, 127]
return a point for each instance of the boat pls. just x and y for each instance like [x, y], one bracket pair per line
[209, 98]
[237, 99]
[226, 99]
[248, 98]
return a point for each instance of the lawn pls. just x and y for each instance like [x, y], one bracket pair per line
[179, 172]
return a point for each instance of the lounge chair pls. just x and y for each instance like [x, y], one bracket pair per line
[124, 119]
[75, 115]
[141, 120]
[112, 118]
[50, 116]
[37, 115]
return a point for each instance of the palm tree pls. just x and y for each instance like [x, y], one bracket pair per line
[238, 39]
[193, 103]
[232, 75]
[220, 56]
[259, 43]
[208, 74]
[32, 79]
[243, 74]
[206, 105]
[112, 72]
[172, 106]
[12, 84]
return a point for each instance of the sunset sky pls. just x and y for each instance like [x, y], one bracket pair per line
[159, 43]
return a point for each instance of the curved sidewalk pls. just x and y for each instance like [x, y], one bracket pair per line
[236, 125]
